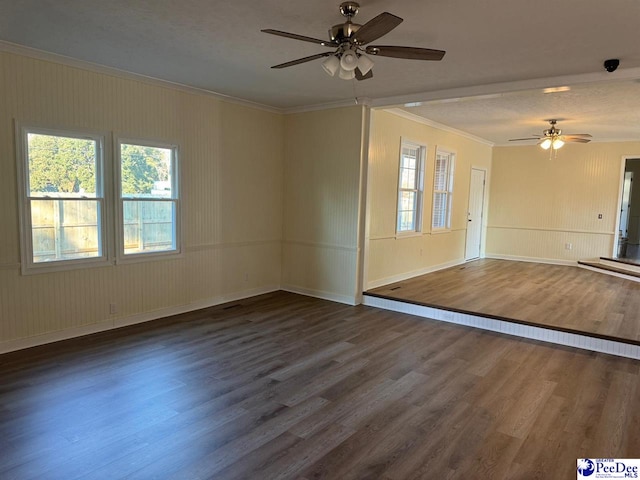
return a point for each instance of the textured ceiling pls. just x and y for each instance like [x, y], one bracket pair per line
[217, 46]
[610, 111]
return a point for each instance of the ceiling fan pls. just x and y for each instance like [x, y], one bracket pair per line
[349, 41]
[554, 139]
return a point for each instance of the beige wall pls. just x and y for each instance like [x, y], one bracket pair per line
[538, 204]
[232, 183]
[322, 202]
[390, 258]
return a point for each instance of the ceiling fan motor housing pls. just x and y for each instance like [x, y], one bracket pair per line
[342, 32]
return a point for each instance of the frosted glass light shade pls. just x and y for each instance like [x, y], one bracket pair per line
[349, 60]
[347, 74]
[364, 64]
[331, 65]
[546, 143]
[558, 143]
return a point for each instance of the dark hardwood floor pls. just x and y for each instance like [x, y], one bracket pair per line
[285, 386]
[568, 298]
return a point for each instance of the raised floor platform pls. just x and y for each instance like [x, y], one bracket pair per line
[552, 303]
[622, 268]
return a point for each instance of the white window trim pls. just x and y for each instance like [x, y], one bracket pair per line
[422, 160]
[121, 257]
[449, 191]
[27, 265]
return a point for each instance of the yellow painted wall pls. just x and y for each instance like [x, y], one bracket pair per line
[323, 168]
[540, 204]
[232, 183]
[390, 258]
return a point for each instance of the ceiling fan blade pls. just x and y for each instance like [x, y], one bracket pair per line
[302, 60]
[360, 76]
[295, 36]
[570, 138]
[411, 53]
[586, 135]
[376, 28]
[521, 139]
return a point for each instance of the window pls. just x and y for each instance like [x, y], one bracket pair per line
[68, 216]
[442, 190]
[148, 193]
[63, 203]
[410, 185]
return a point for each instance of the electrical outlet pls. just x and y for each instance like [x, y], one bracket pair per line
[599, 216]
[568, 246]
[113, 308]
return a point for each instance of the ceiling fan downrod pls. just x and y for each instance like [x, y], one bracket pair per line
[343, 32]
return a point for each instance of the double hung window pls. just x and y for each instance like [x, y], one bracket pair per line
[148, 195]
[410, 188]
[69, 219]
[63, 201]
[442, 190]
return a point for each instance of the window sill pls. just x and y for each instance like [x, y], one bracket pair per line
[63, 266]
[148, 257]
[440, 230]
[408, 235]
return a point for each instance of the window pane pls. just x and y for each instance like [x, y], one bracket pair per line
[407, 211]
[145, 171]
[440, 175]
[149, 226]
[406, 221]
[61, 165]
[65, 229]
[409, 158]
[439, 210]
[408, 201]
[407, 178]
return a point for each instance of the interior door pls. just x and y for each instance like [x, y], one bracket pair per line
[626, 204]
[474, 216]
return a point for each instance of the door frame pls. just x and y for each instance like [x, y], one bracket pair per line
[616, 232]
[483, 215]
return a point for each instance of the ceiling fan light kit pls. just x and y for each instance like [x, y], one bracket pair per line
[554, 139]
[365, 64]
[349, 60]
[347, 74]
[331, 65]
[349, 40]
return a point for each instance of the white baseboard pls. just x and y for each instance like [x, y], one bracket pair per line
[414, 273]
[509, 328]
[28, 342]
[549, 261]
[333, 297]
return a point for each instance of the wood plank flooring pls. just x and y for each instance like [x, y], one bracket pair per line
[567, 298]
[285, 386]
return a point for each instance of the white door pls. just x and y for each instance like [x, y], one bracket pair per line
[626, 204]
[474, 218]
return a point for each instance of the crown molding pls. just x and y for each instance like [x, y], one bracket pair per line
[357, 101]
[439, 126]
[498, 89]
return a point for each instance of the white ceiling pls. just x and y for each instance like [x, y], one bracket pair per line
[492, 46]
